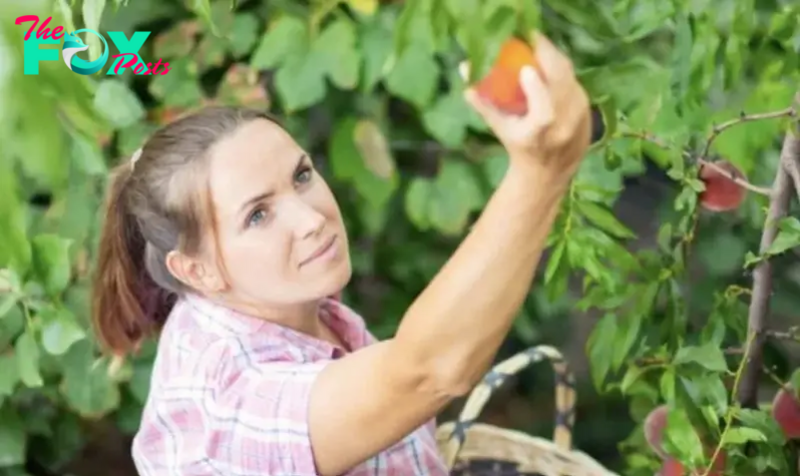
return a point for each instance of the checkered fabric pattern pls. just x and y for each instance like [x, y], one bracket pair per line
[229, 396]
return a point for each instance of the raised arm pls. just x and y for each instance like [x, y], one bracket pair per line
[366, 401]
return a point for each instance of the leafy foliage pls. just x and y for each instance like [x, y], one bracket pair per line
[371, 90]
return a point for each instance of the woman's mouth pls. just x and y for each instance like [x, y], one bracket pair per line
[326, 252]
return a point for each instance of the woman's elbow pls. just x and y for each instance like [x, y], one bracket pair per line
[436, 375]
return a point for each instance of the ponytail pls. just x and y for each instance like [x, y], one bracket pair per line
[127, 305]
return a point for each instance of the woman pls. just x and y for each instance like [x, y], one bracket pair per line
[221, 236]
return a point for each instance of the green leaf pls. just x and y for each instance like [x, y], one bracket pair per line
[494, 168]
[667, 384]
[603, 218]
[632, 375]
[364, 7]
[457, 193]
[65, 11]
[139, 383]
[243, 34]
[376, 49]
[87, 155]
[92, 394]
[180, 87]
[682, 54]
[794, 380]
[51, 261]
[419, 193]
[739, 435]
[680, 437]
[15, 249]
[708, 356]
[373, 147]
[118, 104]
[336, 49]
[9, 377]
[599, 349]
[27, 351]
[447, 119]
[300, 82]
[414, 77]
[630, 326]
[554, 260]
[764, 423]
[92, 13]
[286, 38]
[202, 8]
[608, 113]
[8, 302]
[13, 440]
[359, 155]
[707, 390]
[87, 387]
[784, 241]
[60, 332]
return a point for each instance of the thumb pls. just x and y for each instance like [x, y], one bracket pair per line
[540, 104]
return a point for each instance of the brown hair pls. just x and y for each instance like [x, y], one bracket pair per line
[155, 203]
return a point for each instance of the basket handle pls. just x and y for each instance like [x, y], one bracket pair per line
[565, 397]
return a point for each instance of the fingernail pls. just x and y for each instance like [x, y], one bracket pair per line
[527, 73]
[463, 70]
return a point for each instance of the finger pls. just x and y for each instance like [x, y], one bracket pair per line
[484, 108]
[554, 64]
[541, 111]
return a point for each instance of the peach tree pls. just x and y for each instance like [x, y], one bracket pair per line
[687, 328]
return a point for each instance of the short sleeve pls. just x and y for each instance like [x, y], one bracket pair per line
[257, 421]
[239, 418]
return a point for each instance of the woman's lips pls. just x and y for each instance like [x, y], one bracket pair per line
[325, 251]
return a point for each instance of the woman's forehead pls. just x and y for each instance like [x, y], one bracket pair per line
[258, 156]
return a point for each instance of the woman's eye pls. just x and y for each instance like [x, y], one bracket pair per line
[303, 175]
[256, 217]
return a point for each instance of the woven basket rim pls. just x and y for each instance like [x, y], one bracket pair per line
[502, 436]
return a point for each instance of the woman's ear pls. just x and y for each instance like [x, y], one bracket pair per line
[194, 272]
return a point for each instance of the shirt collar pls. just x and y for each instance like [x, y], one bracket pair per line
[224, 321]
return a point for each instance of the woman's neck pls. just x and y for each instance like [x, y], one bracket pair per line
[303, 317]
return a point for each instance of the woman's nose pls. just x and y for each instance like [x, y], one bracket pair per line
[304, 220]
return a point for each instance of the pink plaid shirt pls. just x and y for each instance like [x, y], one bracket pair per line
[229, 396]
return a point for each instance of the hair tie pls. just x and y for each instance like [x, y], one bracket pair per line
[135, 157]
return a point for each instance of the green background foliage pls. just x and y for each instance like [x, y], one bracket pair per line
[637, 281]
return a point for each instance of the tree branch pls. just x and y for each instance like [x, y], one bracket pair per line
[762, 274]
[793, 334]
[719, 129]
[706, 163]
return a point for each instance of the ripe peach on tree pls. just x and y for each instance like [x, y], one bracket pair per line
[722, 193]
[786, 408]
[501, 85]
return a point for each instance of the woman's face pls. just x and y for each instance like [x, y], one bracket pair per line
[280, 230]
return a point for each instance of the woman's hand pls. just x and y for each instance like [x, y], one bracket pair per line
[556, 131]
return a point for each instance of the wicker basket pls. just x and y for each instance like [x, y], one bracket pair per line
[478, 449]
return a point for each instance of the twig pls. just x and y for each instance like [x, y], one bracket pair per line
[654, 361]
[762, 274]
[792, 334]
[706, 163]
[655, 140]
[719, 129]
[748, 347]
[737, 180]
[793, 170]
